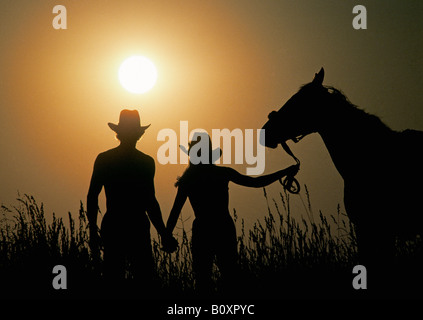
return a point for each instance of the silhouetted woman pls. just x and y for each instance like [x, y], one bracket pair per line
[213, 230]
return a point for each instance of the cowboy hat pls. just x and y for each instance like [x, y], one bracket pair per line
[129, 121]
[204, 138]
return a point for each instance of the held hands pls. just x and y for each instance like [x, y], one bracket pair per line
[170, 244]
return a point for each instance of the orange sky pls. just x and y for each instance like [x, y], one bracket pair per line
[221, 64]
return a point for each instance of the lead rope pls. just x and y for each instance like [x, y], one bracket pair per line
[292, 185]
[289, 182]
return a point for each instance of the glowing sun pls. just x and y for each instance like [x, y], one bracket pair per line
[137, 74]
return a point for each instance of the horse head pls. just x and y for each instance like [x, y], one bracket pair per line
[298, 116]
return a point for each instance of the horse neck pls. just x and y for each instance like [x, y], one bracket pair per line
[354, 140]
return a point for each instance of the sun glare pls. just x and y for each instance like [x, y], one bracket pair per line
[137, 74]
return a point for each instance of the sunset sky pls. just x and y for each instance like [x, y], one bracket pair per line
[221, 64]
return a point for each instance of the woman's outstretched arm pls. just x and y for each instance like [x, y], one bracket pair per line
[261, 181]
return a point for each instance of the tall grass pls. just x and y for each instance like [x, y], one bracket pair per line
[280, 256]
[30, 247]
[291, 256]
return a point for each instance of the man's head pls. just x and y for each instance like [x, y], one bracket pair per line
[129, 127]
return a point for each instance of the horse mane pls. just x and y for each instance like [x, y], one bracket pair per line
[355, 114]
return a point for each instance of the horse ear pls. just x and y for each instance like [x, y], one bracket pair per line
[318, 77]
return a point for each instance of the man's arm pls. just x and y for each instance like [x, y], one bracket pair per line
[92, 198]
[92, 207]
[155, 215]
[153, 207]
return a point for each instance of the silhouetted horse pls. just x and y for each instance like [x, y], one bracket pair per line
[381, 168]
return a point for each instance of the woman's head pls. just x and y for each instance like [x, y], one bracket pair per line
[200, 149]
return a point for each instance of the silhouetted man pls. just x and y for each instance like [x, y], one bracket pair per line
[127, 175]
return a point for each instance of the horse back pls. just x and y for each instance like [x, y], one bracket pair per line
[390, 198]
[410, 150]
[411, 137]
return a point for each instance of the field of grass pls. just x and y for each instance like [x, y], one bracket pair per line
[279, 257]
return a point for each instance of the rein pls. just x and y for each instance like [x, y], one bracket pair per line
[289, 182]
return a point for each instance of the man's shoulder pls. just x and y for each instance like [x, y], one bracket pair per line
[106, 154]
[116, 154]
[145, 157]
